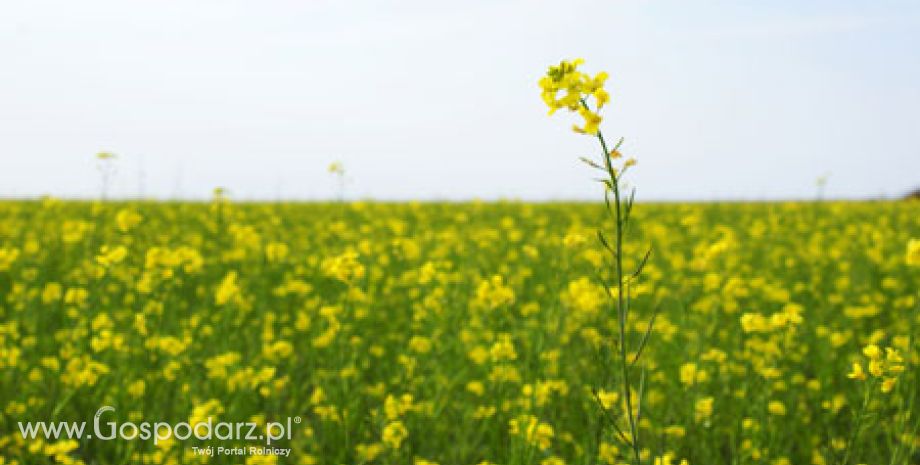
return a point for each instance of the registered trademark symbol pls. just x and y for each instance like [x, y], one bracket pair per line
[297, 420]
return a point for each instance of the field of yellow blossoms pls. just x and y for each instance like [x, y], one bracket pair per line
[465, 333]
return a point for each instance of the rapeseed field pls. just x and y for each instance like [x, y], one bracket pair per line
[463, 333]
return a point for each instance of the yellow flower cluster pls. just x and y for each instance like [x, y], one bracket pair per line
[887, 366]
[532, 430]
[492, 293]
[564, 86]
[344, 267]
[7, 257]
[913, 252]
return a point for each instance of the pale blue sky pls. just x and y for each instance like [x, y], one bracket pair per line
[429, 99]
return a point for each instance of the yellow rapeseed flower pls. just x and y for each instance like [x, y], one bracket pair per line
[913, 252]
[394, 433]
[857, 372]
[564, 86]
[776, 407]
[702, 410]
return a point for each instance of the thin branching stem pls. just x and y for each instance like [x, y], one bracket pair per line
[622, 302]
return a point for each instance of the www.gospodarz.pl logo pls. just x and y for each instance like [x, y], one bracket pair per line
[160, 430]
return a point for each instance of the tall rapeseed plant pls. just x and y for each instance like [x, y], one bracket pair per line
[565, 87]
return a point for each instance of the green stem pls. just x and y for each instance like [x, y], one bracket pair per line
[854, 435]
[622, 310]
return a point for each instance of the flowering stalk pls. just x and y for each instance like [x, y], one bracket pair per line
[577, 88]
[106, 167]
[337, 169]
[858, 418]
[882, 373]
